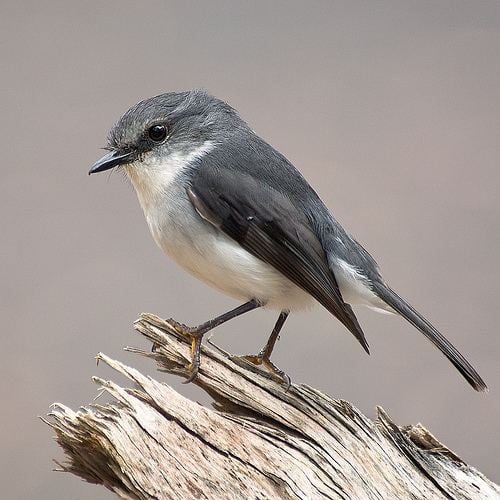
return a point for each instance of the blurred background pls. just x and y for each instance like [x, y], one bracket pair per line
[391, 109]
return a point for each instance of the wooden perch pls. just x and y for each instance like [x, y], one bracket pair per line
[260, 441]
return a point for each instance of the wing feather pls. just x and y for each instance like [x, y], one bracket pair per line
[267, 224]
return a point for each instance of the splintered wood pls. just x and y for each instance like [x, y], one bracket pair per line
[259, 441]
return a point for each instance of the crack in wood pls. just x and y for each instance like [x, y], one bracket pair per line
[258, 441]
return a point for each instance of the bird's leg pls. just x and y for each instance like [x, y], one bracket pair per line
[196, 333]
[264, 357]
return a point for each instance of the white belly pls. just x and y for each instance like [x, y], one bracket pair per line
[220, 262]
[206, 252]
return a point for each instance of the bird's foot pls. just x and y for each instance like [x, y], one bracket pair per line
[266, 365]
[180, 328]
[195, 335]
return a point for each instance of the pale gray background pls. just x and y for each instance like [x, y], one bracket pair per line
[391, 110]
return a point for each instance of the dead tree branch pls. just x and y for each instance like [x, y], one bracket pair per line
[260, 441]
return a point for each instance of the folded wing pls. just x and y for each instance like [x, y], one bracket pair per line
[268, 225]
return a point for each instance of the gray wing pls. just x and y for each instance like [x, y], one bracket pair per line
[268, 225]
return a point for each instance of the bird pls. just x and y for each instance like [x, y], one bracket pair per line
[235, 213]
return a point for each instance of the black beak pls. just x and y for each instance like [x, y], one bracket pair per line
[111, 160]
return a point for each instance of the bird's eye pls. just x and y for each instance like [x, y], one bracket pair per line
[157, 133]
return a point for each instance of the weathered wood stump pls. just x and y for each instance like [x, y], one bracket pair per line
[260, 441]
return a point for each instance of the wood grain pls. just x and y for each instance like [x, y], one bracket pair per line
[259, 441]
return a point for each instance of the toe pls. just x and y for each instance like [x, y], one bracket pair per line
[263, 366]
[193, 373]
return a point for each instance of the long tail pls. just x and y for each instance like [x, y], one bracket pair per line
[391, 298]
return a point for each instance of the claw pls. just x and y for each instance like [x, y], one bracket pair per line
[196, 336]
[193, 369]
[180, 328]
[251, 358]
[194, 366]
[268, 366]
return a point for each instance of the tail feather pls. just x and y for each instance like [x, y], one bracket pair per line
[391, 298]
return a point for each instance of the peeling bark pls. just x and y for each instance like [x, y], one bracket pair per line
[260, 441]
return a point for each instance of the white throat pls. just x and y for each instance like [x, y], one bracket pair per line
[153, 177]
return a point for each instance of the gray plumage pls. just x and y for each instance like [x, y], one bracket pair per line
[237, 214]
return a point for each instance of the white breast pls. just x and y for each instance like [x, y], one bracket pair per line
[200, 248]
[152, 178]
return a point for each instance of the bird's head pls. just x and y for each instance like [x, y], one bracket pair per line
[167, 129]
